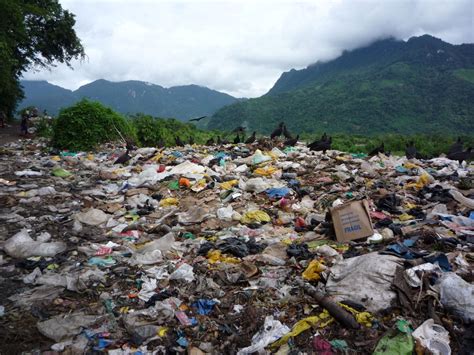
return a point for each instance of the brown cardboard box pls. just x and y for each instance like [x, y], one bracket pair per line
[352, 221]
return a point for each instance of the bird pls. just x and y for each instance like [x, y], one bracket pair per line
[197, 119]
[191, 140]
[251, 139]
[377, 150]
[237, 139]
[321, 145]
[456, 147]
[210, 141]
[122, 159]
[160, 143]
[287, 133]
[278, 131]
[239, 129]
[178, 141]
[410, 150]
[292, 141]
[460, 156]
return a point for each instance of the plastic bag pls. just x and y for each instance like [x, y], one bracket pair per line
[272, 331]
[93, 217]
[313, 270]
[21, 245]
[457, 295]
[256, 216]
[184, 272]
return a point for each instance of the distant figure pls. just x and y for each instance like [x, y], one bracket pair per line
[410, 150]
[25, 116]
[292, 141]
[125, 157]
[321, 145]
[3, 118]
[237, 139]
[324, 137]
[278, 131]
[252, 138]
[377, 150]
[161, 143]
[287, 133]
[456, 147]
[210, 141]
[219, 140]
[468, 154]
[178, 142]
[240, 129]
[191, 140]
[197, 119]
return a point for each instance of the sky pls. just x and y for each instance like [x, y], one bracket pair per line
[239, 47]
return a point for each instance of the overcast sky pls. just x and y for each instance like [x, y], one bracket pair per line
[240, 47]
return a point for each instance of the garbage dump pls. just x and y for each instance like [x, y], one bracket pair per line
[234, 249]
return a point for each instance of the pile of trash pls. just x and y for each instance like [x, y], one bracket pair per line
[234, 249]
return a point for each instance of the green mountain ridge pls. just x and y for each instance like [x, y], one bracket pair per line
[129, 97]
[423, 85]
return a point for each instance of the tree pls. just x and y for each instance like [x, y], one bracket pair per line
[33, 33]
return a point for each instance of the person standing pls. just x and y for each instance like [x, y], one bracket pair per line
[3, 118]
[24, 123]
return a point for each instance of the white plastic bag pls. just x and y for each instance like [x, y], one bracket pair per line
[457, 295]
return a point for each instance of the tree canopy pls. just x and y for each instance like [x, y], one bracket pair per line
[33, 33]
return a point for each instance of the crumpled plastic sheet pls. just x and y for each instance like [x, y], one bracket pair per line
[272, 330]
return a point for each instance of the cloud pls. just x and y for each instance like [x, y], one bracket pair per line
[240, 47]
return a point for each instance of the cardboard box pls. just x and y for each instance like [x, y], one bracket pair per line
[352, 221]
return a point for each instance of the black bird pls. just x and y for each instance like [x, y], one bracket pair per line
[197, 119]
[456, 147]
[240, 129]
[468, 154]
[321, 145]
[292, 141]
[324, 137]
[178, 142]
[278, 131]
[210, 141]
[251, 139]
[287, 133]
[191, 140]
[377, 150]
[125, 157]
[410, 150]
[237, 139]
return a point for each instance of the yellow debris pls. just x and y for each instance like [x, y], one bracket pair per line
[162, 331]
[312, 271]
[266, 171]
[170, 201]
[215, 256]
[409, 165]
[256, 216]
[320, 321]
[56, 158]
[405, 217]
[227, 185]
[423, 180]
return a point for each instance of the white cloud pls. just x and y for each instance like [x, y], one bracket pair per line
[240, 47]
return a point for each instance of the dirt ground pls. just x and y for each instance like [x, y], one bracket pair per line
[10, 133]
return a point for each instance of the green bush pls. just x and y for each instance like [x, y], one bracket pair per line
[45, 127]
[86, 124]
[150, 131]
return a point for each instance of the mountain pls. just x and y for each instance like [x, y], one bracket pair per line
[417, 86]
[183, 102]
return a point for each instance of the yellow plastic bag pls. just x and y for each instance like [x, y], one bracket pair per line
[423, 180]
[227, 185]
[320, 321]
[256, 216]
[170, 201]
[405, 217]
[215, 256]
[312, 271]
[266, 171]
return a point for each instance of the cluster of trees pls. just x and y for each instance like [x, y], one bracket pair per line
[33, 34]
[86, 124]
